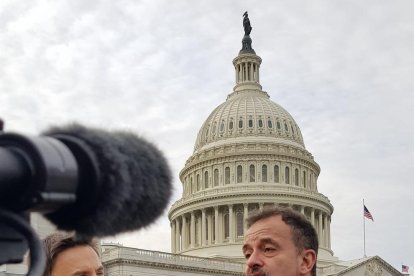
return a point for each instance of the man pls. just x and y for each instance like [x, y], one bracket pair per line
[66, 256]
[280, 242]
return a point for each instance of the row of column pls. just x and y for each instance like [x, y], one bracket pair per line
[247, 71]
[187, 232]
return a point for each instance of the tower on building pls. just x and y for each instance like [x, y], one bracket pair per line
[249, 154]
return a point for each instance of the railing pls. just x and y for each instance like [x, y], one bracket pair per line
[250, 188]
[127, 253]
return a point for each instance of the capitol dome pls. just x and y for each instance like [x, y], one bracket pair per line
[248, 114]
[249, 154]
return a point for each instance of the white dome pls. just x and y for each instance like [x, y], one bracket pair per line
[245, 115]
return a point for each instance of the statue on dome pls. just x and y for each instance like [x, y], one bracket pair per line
[246, 24]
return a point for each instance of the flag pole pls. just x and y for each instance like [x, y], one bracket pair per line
[363, 218]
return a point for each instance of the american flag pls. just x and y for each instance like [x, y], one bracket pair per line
[405, 268]
[367, 214]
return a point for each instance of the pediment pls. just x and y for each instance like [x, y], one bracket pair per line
[374, 266]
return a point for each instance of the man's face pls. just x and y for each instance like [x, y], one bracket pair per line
[270, 251]
[80, 260]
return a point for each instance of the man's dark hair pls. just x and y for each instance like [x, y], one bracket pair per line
[56, 243]
[303, 233]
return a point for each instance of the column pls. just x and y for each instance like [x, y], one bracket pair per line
[261, 206]
[192, 230]
[172, 236]
[254, 76]
[320, 229]
[329, 232]
[210, 228]
[231, 224]
[216, 228]
[203, 227]
[256, 79]
[302, 209]
[184, 233]
[177, 236]
[313, 217]
[245, 214]
[325, 220]
[240, 73]
[251, 71]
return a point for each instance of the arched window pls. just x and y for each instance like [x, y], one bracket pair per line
[296, 177]
[276, 173]
[239, 174]
[286, 128]
[260, 123]
[198, 182]
[304, 179]
[205, 179]
[239, 224]
[191, 186]
[311, 180]
[222, 127]
[241, 123]
[216, 177]
[231, 125]
[226, 226]
[227, 175]
[287, 175]
[252, 171]
[250, 122]
[269, 124]
[264, 173]
[278, 125]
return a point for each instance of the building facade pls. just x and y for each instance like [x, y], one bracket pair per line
[121, 261]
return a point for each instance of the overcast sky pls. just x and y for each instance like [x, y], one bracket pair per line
[343, 69]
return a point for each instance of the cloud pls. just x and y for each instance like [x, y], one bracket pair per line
[342, 69]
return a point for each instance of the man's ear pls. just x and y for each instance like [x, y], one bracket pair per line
[308, 261]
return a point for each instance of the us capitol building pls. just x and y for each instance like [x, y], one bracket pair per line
[249, 154]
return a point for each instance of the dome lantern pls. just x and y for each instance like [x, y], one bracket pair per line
[247, 63]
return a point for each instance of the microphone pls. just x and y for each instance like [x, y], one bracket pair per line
[95, 182]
